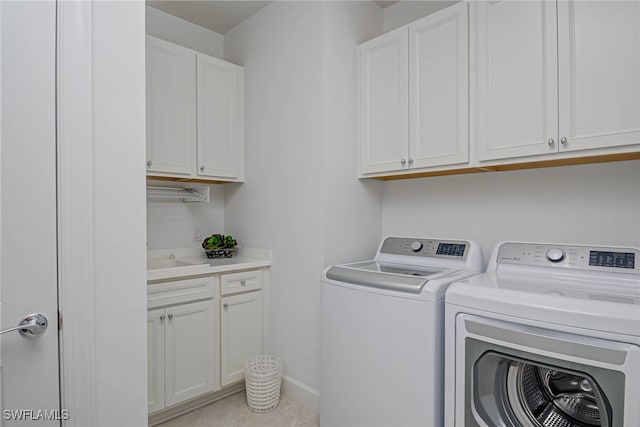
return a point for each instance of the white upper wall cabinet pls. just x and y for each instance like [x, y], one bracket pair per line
[438, 89]
[516, 102]
[220, 107]
[413, 95]
[599, 69]
[554, 77]
[171, 108]
[383, 91]
[195, 119]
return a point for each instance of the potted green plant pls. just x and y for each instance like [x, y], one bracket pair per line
[219, 246]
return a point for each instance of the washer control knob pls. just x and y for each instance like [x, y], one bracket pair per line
[555, 255]
[416, 245]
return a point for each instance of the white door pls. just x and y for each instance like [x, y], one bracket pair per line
[155, 355]
[191, 356]
[515, 90]
[240, 334]
[171, 104]
[599, 69]
[383, 118]
[438, 89]
[219, 135]
[28, 237]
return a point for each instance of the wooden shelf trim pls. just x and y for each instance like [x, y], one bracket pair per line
[517, 166]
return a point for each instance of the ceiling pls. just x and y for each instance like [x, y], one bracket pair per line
[218, 16]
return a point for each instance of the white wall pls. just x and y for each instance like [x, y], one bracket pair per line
[176, 30]
[172, 224]
[118, 52]
[589, 204]
[175, 224]
[352, 208]
[301, 198]
[280, 204]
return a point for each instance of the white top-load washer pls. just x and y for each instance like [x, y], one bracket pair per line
[381, 354]
[548, 336]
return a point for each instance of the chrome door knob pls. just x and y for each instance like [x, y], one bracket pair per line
[403, 162]
[551, 142]
[202, 168]
[149, 163]
[31, 326]
[563, 140]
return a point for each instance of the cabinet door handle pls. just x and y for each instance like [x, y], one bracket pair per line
[243, 282]
[170, 316]
[202, 168]
[225, 305]
[563, 140]
[551, 142]
[149, 163]
[410, 160]
[162, 317]
[403, 162]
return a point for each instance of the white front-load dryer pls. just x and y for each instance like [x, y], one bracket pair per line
[549, 336]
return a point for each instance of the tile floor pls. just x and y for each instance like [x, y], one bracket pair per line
[234, 412]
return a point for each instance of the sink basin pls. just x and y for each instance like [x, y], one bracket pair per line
[155, 264]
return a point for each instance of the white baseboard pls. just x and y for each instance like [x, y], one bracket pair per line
[301, 393]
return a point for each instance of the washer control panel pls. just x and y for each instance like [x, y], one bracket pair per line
[451, 249]
[571, 256]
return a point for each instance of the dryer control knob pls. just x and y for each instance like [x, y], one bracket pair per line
[555, 255]
[416, 245]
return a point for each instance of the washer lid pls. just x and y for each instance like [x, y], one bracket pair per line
[391, 277]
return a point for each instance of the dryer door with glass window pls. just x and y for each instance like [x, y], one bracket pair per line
[525, 376]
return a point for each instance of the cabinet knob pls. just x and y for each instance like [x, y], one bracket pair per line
[202, 168]
[563, 140]
[170, 316]
[551, 142]
[149, 163]
[243, 282]
[410, 160]
[162, 317]
[403, 162]
[225, 305]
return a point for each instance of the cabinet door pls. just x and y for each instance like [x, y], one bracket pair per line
[514, 107]
[241, 333]
[599, 69]
[155, 357]
[220, 119]
[383, 92]
[438, 88]
[191, 356]
[171, 115]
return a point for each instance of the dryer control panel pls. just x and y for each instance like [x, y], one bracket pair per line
[621, 260]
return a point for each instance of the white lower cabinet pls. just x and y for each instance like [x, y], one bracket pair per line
[183, 352]
[191, 353]
[240, 322]
[240, 333]
[200, 331]
[155, 359]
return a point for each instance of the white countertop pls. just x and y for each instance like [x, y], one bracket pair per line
[177, 263]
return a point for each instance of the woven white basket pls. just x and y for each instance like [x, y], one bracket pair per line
[262, 375]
